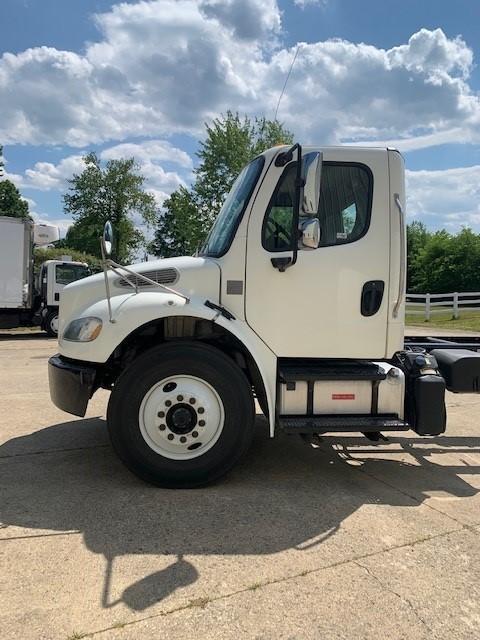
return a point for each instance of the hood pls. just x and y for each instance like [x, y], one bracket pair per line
[194, 277]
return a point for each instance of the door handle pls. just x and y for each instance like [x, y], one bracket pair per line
[372, 296]
[403, 268]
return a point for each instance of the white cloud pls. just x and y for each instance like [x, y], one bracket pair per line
[448, 136]
[310, 3]
[247, 19]
[361, 92]
[149, 151]
[449, 198]
[165, 66]
[46, 176]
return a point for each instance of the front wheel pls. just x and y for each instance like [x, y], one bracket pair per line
[181, 415]
[51, 323]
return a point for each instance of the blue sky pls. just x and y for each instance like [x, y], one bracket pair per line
[140, 78]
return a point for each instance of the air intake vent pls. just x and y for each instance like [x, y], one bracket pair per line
[162, 276]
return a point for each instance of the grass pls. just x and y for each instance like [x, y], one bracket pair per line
[468, 320]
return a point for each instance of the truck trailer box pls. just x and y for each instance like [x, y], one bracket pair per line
[15, 262]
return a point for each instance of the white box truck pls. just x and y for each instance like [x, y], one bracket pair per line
[26, 299]
[296, 299]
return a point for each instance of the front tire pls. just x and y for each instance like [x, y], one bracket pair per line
[181, 415]
[51, 323]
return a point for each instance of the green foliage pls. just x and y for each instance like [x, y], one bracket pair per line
[439, 262]
[181, 225]
[11, 201]
[41, 255]
[417, 236]
[230, 143]
[111, 192]
[448, 263]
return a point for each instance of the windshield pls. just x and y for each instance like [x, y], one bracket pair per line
[66, 273]
[225, 226]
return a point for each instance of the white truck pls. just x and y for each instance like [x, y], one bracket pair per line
[296, 299]
[25, 299]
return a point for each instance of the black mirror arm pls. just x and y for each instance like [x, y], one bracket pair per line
[283, 158]
[299, 184]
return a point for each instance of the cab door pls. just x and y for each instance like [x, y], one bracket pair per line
[333, 303]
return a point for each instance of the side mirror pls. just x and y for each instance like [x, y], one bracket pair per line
[310, 229]
[311, 174]
[107, 239]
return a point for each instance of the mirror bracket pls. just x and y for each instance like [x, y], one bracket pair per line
[281, 263]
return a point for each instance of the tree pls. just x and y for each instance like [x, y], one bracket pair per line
[417, 237]
[230, 143]
[182, 225]
[40, 254]
[448, 263]
[111, 192]
[11, 202]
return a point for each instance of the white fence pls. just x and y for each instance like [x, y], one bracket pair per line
[427, 303]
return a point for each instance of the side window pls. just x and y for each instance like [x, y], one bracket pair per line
[345, 203]
[343, 212]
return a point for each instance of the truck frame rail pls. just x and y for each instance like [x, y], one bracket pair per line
[442, 342]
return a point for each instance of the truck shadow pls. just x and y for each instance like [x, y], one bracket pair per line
[283, 495]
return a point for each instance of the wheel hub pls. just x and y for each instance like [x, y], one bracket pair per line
[181, 419]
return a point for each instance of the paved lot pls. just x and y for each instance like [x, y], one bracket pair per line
[349, 540]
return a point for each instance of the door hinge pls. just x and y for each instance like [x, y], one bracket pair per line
[221, 310]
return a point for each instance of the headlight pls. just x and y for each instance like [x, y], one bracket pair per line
[83, 330]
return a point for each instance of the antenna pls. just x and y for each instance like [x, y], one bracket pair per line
[286, 80]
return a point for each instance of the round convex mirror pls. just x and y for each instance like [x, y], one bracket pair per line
[108, 238]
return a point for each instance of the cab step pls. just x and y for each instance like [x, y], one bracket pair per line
[350, 370]
[341, 423]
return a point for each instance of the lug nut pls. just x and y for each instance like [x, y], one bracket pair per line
[201, 423]
[183, 439]
[162, 427]
[170, 436]
[161, 414]
[192, 400]
[168, 403]
[194, 434]
[179, 398]
[201, 410]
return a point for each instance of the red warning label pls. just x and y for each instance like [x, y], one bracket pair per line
[343, 396]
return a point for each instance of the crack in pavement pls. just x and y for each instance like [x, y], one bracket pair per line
[464, 525]
[201, 603]
[403, 599]
[40, 535]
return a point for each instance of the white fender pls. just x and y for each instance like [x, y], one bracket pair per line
[133, 310]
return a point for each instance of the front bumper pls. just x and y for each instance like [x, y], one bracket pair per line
[71, 384]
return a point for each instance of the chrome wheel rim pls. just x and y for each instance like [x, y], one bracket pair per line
[54, 324]
[181, 417]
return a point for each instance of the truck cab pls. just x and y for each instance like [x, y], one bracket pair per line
[52, 278]
[296, 300]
